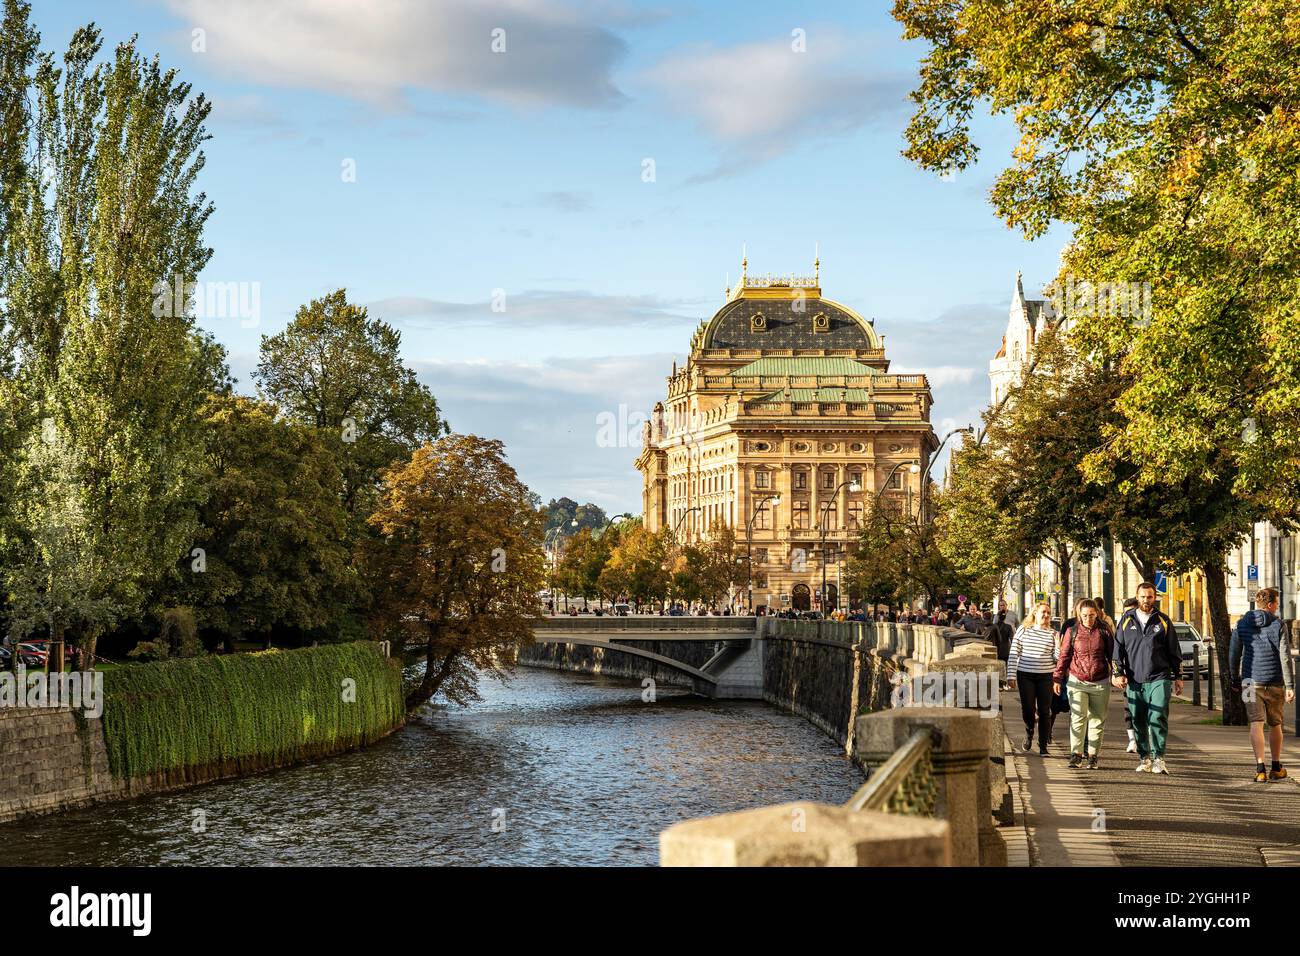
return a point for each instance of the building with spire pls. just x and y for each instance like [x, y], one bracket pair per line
[784, 422]
[1025, 319]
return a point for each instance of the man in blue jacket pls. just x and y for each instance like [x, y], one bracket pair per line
[1262, 672]
[1147, 663]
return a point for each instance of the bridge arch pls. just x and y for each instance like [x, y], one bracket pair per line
[543, 637]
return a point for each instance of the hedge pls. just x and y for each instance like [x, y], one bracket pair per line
[207, 717]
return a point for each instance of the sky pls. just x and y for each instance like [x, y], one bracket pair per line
[546, 197]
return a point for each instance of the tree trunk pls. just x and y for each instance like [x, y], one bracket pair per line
[436, 672]
[91, 641]
[1216, 599]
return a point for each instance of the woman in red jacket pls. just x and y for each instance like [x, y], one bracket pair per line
[1084, 668]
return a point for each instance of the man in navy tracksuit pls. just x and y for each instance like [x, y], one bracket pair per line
[1147, 664]
[1262, 672]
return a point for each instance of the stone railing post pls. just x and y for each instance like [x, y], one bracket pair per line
[806, 834]
[959, 756]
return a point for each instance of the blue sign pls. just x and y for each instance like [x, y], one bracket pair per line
[1161, 583]
[1252, 573]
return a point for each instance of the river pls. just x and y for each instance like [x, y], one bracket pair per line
[553, 768]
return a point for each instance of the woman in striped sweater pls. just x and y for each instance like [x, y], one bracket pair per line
[1029, 668]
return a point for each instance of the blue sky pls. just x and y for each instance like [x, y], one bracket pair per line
[521, 172]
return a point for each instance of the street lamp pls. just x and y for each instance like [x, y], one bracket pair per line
[749, 545]
[915, 468]
[925, 478]
[608, 524]
[852, 485]
[555, 557]
[677, 526]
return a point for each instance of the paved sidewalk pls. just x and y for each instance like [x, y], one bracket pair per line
[1207, 811]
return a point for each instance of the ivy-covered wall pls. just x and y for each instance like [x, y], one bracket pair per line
[183, 721]
[176, 723]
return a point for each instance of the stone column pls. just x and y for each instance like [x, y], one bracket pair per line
[806, 834]
[959, 755]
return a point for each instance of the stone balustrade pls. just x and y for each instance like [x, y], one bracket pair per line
[960, 832]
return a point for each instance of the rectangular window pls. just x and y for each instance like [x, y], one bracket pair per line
[856, 478]
[801, 515]
[800, 481]
[761, 479]
[828, 480]
[760, 555]
[896, 480]
[855, 514]
[763, 516]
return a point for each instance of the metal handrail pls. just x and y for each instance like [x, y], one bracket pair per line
[902, 784]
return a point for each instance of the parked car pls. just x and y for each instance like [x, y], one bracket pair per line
[1192, 646]
[622, 610]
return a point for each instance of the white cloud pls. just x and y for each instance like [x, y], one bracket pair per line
[536, 308]
[762, 99]
[381, 51]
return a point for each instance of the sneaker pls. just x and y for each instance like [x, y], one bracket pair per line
[1028, 745]
[1261, 776]
[1042, 751]
[1144, 765]
[1076, 761]
[1092, 762]
[1132, 747]
[1278, 774]
[1158, 766]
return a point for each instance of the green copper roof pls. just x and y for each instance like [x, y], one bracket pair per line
[804, 367]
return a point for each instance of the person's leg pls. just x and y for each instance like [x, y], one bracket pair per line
[1078, 714]
[1137, 709]
[1275, 742]
[1098, 704]
[1044, 699]
[1257, 739]
[1158, 693]
[1026, 688]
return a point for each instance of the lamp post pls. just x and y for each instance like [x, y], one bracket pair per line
[826, 507]
[925, 478]
[749, 545]
[554, 548]
[913, 466]
[678, 525]
[608, 524]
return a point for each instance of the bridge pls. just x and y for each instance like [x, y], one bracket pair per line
[718, 656]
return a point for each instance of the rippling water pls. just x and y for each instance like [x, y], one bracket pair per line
[553, 768]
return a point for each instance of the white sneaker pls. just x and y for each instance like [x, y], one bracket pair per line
[1144, 765]
[1158, 766]
[1132, 743]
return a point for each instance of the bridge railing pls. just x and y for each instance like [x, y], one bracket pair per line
[923, 643]
[609, 622]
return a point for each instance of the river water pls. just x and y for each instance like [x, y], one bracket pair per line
[553, 768]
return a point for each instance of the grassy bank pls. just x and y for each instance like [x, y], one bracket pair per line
[214, 716]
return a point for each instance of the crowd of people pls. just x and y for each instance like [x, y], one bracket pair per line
[1074, 669]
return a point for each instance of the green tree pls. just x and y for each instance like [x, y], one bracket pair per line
[105, 211]
[1163, 133]
[273, 532]
[457, 563]
[340, 371]
[637, 565]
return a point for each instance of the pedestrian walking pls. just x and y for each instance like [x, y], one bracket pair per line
[1147, 663]
[1030, 664]
[1132, 747]
[1262, 672]
[1082, 671]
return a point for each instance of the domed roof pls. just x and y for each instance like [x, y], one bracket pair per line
[788, 322]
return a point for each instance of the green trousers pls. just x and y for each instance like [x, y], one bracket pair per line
[1148, 706]
[1088, 704]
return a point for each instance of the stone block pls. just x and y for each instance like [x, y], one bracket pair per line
[806, 834]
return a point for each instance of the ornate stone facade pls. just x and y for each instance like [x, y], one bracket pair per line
[785, 393]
